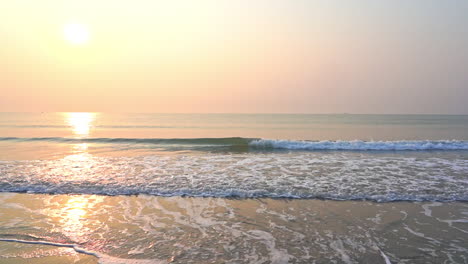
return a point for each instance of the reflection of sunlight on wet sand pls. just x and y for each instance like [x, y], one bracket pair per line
[74, 213]
[80, 123]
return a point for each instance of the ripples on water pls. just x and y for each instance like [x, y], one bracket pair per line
[343, 176]
[227, 158]
[147, 229]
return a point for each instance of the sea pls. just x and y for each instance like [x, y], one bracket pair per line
[233, 188]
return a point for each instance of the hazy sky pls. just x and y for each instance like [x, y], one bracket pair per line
[290, 56]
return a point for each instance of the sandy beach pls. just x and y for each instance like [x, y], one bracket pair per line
[145, 229]
[237, 132]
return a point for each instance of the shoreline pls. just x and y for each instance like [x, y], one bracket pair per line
[151, 229]
[240, 198]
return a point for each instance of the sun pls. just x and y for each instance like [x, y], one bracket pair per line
[76, 33]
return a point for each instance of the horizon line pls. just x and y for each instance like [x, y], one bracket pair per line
[228, 113]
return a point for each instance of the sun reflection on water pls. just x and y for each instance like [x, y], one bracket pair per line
[80, 148]
[80, 123]
[74, 216]
[74, 212]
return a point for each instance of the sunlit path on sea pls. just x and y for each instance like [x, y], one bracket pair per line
[160, 188]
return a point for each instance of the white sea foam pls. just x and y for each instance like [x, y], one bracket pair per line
[340, 176]
[46, 243]
[361, 145]
[259, 230]
[387, 260]
[103, 258]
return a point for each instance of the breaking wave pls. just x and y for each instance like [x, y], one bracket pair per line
[334, 175]
[268, 144]
[362, 145]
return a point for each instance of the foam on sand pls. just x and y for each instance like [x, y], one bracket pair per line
[103, 258]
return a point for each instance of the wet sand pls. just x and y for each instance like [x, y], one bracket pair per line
[148, 229]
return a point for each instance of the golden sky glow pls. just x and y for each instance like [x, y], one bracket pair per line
[232, 56]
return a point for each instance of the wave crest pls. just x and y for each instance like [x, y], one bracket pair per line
[266, 144]
[361, 145]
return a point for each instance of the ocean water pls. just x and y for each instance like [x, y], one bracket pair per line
[343, 157]
[233, 188]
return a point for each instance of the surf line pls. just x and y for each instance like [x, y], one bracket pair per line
[75, 247]
[387, 260]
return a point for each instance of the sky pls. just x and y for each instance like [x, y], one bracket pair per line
[243, 56]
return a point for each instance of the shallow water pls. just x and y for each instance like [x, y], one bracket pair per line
[122, 154]
[380, 177]
[225, 188]
[148, 229]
